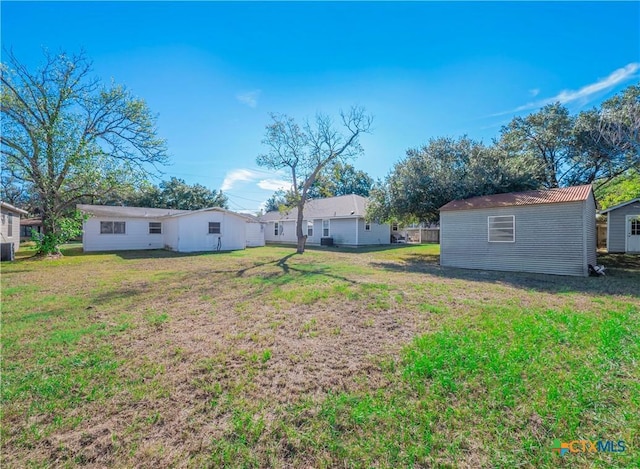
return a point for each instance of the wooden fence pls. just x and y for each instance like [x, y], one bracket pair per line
[601, 230]
[423, 235]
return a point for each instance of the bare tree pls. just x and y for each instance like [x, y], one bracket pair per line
[306, 151]
[71, 137]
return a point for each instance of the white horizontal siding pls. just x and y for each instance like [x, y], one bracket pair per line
[14, 219]
[549, 239]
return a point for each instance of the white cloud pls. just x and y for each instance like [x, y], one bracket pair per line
[583, 94]
[273, 184]
[238, 175]
[534, 92]
[250, 98]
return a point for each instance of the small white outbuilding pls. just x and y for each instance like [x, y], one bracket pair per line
[131, 228]
[546, 231]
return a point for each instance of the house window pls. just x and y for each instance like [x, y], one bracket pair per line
[112, 227]
[214, 227]
[276, 228]
[502, 229]
[367, 226]
[155, 227]
[394, 227]
[309, 229]
[10, 228]
[635, 227]
[325, 228]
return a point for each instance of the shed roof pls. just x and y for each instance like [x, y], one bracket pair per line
[623, 204]
[548, 196]
[12, 208]
[344, 206]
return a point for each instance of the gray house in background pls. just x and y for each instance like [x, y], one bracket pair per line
[623, 227]
[545, 231]
[338, 219]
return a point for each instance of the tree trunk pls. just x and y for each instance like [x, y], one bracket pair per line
[302, 238]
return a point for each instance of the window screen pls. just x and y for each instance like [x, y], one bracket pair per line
[214, 227]
[502, 229]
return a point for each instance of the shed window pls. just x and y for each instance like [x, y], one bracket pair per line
[155, 227]
[367, 226]
[112, 227]
[214, 227]
[394, 227]
[502, 229]
[10, 227]
[276, 228]
[310, 229]
[635, 227]
[325, 228]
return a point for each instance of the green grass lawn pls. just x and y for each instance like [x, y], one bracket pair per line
[334, 358]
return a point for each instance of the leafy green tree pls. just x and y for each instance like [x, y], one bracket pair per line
[545, 139]
[279, 200]
[623, 187]
[71, 137]
[306, 151]
[341, 179]
[443, 170]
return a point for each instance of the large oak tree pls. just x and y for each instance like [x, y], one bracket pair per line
[69, 136]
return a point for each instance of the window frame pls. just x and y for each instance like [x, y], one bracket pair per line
[212, 225]
[158, 227]
[10, 225]
[276, 228]
[113, 227]
[326, 222]
[513, 227]
[394, 227]
[309, 229]
[367, 225]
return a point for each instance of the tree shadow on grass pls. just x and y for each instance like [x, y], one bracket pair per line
[622, 276]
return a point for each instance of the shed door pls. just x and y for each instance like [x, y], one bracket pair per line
[633, 233]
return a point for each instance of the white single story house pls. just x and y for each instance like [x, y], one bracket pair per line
[10, 229]
[623, 227]
[545, 231]
[335, 220]
[130, 228]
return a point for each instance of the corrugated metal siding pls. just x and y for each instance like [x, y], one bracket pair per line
[617, 226]
[549, 239]
[136, 235]
[590, 230]
[379, 234]
[547, 196]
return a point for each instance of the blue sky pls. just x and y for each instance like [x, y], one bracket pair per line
[213, 71]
